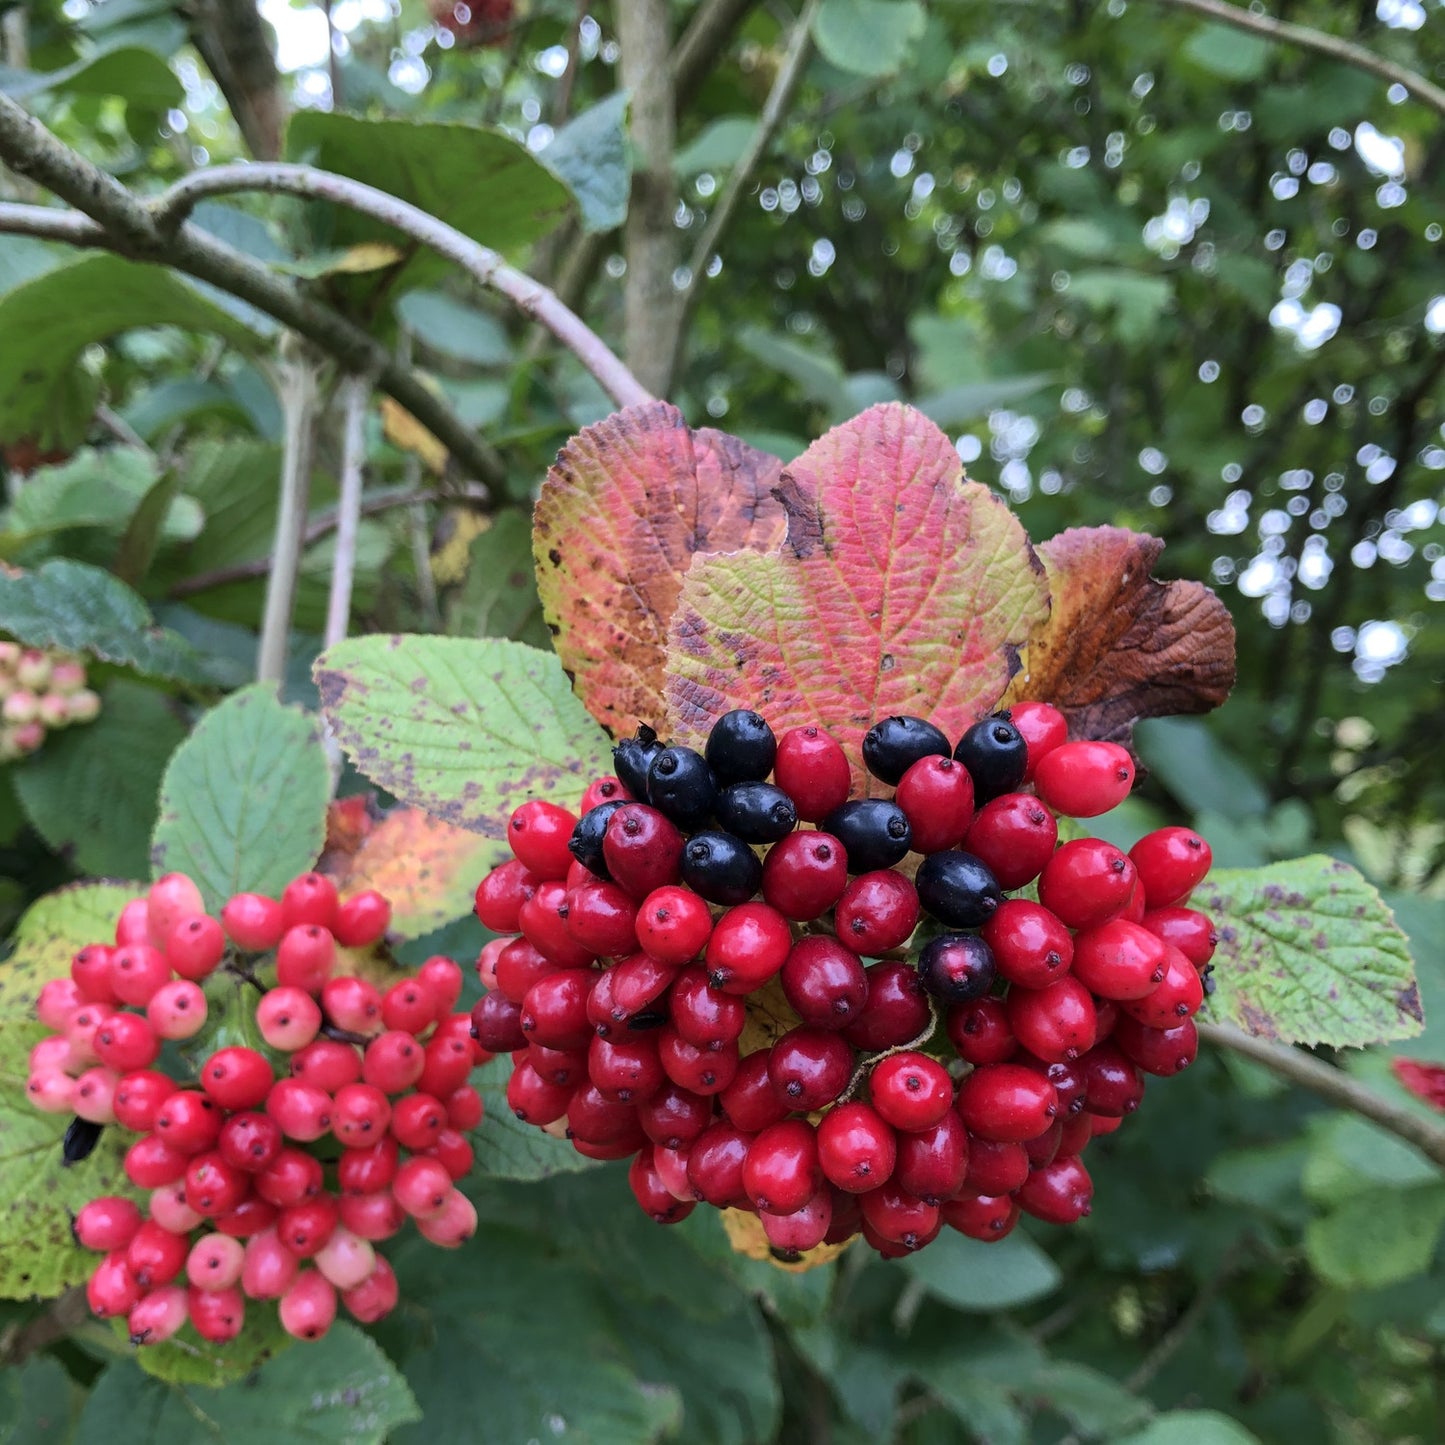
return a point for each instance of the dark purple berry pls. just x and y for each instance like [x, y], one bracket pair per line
[892, 746]
[632, 758]
[741, 747]
[996, 755]
[756, 812]
[874, 833]
[957, 889]
[721, 868]
[681, 786]
[956, 967]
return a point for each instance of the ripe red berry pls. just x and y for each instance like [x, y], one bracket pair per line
[304, 1228]
[899, 1217]
[790, 1236]
[933, 1162]
[895, 1011]
[554, 1012]
[446, 1064]
[133, 925]
[305, 957]
[237, 1078]
[781, 1172]
[290, 1177]
[407, 1006]
[112, 1289]
[1176, 998]
[1171, 863]
[1015, 835]
[809, 1068]
[126, 1042]
[309, 900]
[217, 1315]
[535, 1100]
[813, 771]
[857, 1147]
[454, 1152]
[979, 1030]
[705, 1016]
[352, 1004]
[804, 875]
[642, 849]
[701, 1070]
[326, 1064]
[90, 972]
[673, 1116]
[213, 1187]
[715, 1165]
[936, 795]
[177, 1010]
[1163, 1052]
[106, 1223]
[362, 919]
[422, 1187]
[750, 1101]
[602, 919]
[268, 1266]
[464, 1108]
[189, 1122]
[501, 894]
[1119, 960]
[543, 918]
[1085, 779]
[748, 946]
[195, 946]
[1191, 932]
[657, 1201]
[360, 1114]
[987, 1217]
[538, 833]
[1007, 1103]
[673, 924]
[253, 922]
[1113, 1086]
[638, 982]
[155, 1256]
[137, 972]
[138, 1098]
[1042, 727]
[1086, 883]
[910, 1090]
[606, 789]
[250, 1141]
[393, 1062]
[877, 911]
[308, 1307]
[302, 1110]
[825, 982]
[628, 1070]
[1059, 1193]
[995, 1166]
[1053, 1023]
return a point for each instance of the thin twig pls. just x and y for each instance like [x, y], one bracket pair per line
[298, 410]
[355, 394]
[711, 27]
[62, 1315]
[121, 429]
[1174, 1338]
[1334, 1084]
[1304, 38]
[480, 262]
[780, 97]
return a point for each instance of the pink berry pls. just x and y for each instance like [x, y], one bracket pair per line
[309, 899]
[177, 1010]
[51, 1091]
[268, 1267]
[453, 1225]
[352, 1004]
[422, 1187]
[289, 1018]
[309, 1306]
[305, 957]
[217, 1315]
[302, 1110]
[375, 1297]
[346, 1259]
[195, 945]
[169, 900]
[57, 1000]
[107, 1223]
[169, 1209]
[95, 1095]
[253, 922]
[158, 1316]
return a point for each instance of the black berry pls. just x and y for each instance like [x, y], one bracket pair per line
[957, 889]
[956, 967]
[81, 1137]
[996, 756]
[586, 841]
[756, 812]
[874, 833]
[682, 787]
[632, 758]
[741, 747]
[721, 868]
[892, 746]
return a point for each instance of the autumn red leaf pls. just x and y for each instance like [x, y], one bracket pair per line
[1119, 645]
[1425, 1081]
[901, 587]
[621, 514]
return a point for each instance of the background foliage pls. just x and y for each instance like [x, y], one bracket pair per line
[1143, 269]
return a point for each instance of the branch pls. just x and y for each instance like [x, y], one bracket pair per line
[232, 39]
[480, 262]
[355, 393]
[119, 222]
[780, 97]
[711, 27]
[1322, 44]
[1335, 1085]
[651, 310]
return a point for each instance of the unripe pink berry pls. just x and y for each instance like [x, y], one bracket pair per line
[305, 957]
[375, 1297]
[268, 1267]
[422, 1187]
[215, 1261]
[345, 1259]
[487, 960]
[372, 1216]
[52, 1052]
[94, 1098]
[177, 1010]
[170, 899]
[52, 710]
[28, 736]
[67, 676]
[309, 1306]
[112, 1288]
[51, 1092]
[169, 1209]
[289, 1018]
[352, 1004]
[107, 1223]
[33, 670]
[133, 925]
[253, 921]
[218, 1315]
[9, 656]
[302, 1110]
[81, 1028]
[22, 706]
[84, 706]
[454, 1225]
[158, 1316]
[57, 1000]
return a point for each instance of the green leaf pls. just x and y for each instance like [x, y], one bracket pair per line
[868, 37]
[1377, 1238]
[590, 154]
[466, 730]
[973, 1275]
[1198, 770]
[442, 323]
[51, 930]
[1351, 1156]
[1308, 953]
[817, 374]
[499, 597]
[1191, 1427]
[37, 1403]
[78, 608]
[148, 528]
[1137, 300]
[481, 181]
[1087, 1398]
[49, 320]
[341, 1390]
[243, 804]
[1224, 51]
[139, 76]
[972, 400]
[92, 790]
[509, 1149]
[718, 145]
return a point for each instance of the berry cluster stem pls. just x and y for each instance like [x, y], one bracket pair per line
[865, 1066]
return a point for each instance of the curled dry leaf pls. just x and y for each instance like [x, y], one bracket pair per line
[901, 587]
[623, 511]
[1118, 645]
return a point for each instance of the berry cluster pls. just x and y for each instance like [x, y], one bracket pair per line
[39, 691]
[635, 932]
[272, 1170]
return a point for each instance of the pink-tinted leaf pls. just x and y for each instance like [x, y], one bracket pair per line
[1119, 646]
[628, 503]
[1425, 1081]
[901, 587]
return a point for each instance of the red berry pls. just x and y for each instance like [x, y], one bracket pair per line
[1042, 727]
[308, 1308]
[567, 1067]
[981, 1216]
[364, 1171]
[1007, 1103]
[90, 972]
[1112, 1085]
[362, 919]
[639, 981]
[715, 1165]
[215, 1261]
[326, 1064]
[93, 1095]
[706, 1017]
[393, 1062]
[1158, 1051]
[642, 850]
[155, 1256]
[1191, 932]
[599, 1121]
[899, 1217]
[995, 1166]
[1015, 835]
[607, 789]
[1086, 883]
[302, 1110]
[158, 1316]
[177, 1010]
[217, 1315]
[535, 1100]
[748, 946]
[464, 1108]
[601, 919]
[253, 922]
[372, 1216]
[309, 899]
[249, 1217]
[1083, 780]
[626, 1069]
[237, 1078]
[497, 1023]
[809, 1068]
[703, 1071]
[195, 946]
[781, 1172]
[932, 1162]
[112, 1289]
[519, 966]
[1068, 1076]
[750, 1101]
[936, 795]
[657, 1201]
[813, 771]
[673, 924]
[189, 1122]
[825, 982]
[250, 1141]
[137, 972]
[857, 1147]
[804, 875]
[168, 900]
[107, 1223]
[126, 1042]
[447, 1064]
[1119, 960]
[910, 1090]
[138, 1098]
[1059, 1193]
[375, 1297]
[555, 1011]
[422, 1187]
[213, 1187]
[290, 1177]
[538, 833]
[895, 1011]
[454, 1153]
[305, 957]
[304, 1228]
[877, 911]
[501, 894]
[673, 1117]
[1179, 996]
[360, 1114]
[979, 1030]
[1053, 1023]
[1171, 863]
[352, 1004]
[407, 1006]
[792, 1235]
[288, 1018]
[543, 918]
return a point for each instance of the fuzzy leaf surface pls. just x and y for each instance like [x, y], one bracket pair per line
[901, 587]
[465, 729]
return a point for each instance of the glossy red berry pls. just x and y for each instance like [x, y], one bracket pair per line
[673, 924]
[602, 919]
[1059, 1193]
[1171, 863]
[1086, 883]
[305, 957]
[309, 899]
[253, 922]
[543, 918]
[1014, 835]
[674, 1116]
[857, 1147]
[106, 1223]
[1191, 932]
[701, 1070]
[987, 1217]
[900, 1217]
[138, 1098]
[555, 1011]
[705, 1016]
[1176, 998]
[825, 982]
[910, 1090]
[750, 1101]
[979, 1030]
[1113, 1086]
[813, 771]
[895, 1012]
[809, 1068]
[497, 1023]
[1007, 1103]
[804, 875]
[195, 946]
[933, 1162]
[1162, 1052]
[936, 795]
[214, 1187]
[995, 1166]
[501, 894]
[748, 946]
[126, 1042]
[538, 833]
[302, 1110]
[1053, 1023]
[1084, 779]
[237, 1078]
[362, 919]
[1042, 727]
[189, 1122]
[877, 911]
[715, 1165]
[626, 1069]
[781, 1172]
[155, 1256]
[1119, 960]
[642, 849]
[653, 1196]
[293, 1175]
